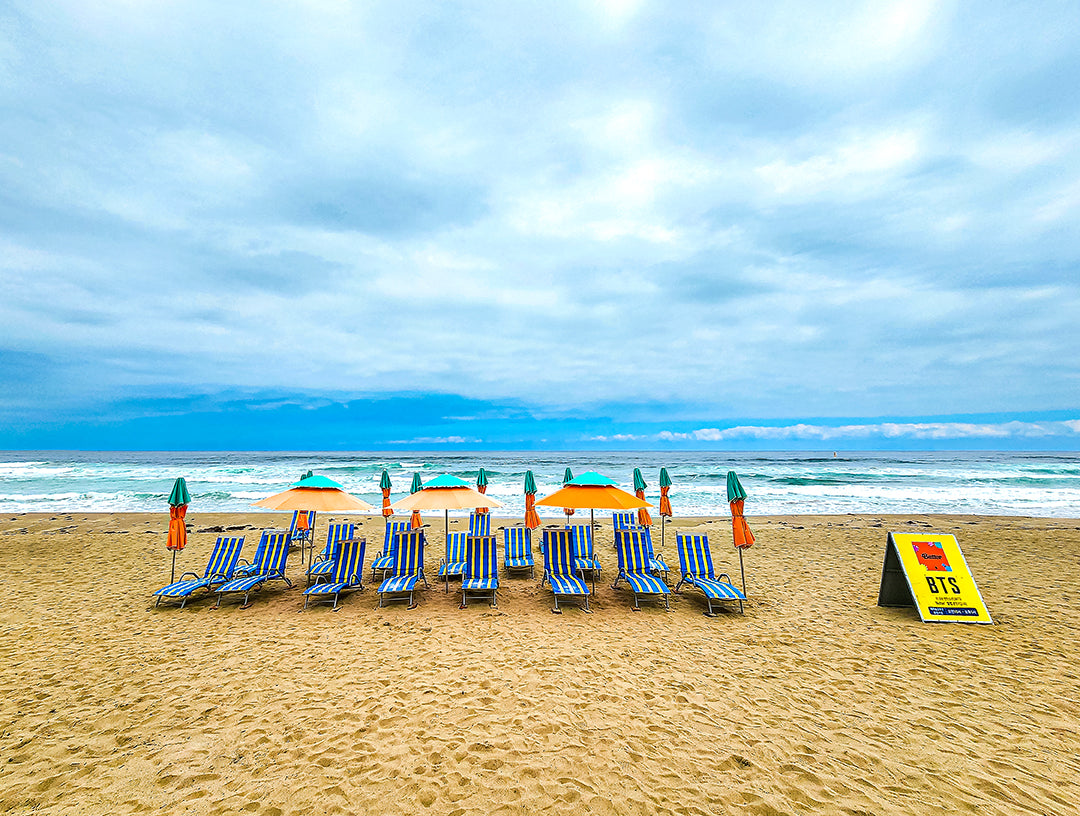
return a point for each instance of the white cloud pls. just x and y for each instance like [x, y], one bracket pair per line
[887, 430]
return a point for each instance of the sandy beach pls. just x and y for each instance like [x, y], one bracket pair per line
[813, 701]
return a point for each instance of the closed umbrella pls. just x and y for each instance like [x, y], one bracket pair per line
[744, 539]
[481, 487]
[644, 519]
[532, 518]
[415, 520]
[665, 502]
[384, 486]
[566, 479]
[593, 491]
[179, 500]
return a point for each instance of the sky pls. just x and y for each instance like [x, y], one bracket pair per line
[562, 225]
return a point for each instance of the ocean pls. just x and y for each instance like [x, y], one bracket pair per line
[1028, 484]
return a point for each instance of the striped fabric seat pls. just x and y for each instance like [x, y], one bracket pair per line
[481, 575]
[656, 563]
[624, 520]
[325, 561]
[479, 524]
[635, 567]
[385, 559]
[271, 567]
[243, 567]
[453, 564]
[219, 569]
[408, 568]
[559, 570]
[696, 566]
[585, 561]
[517, 550]
[347, 574]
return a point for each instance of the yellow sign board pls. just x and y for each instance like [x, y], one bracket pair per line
[928, 571]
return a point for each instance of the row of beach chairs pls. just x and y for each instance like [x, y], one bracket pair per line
[570, 564]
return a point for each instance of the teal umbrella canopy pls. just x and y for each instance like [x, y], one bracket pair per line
[665, 480]
[179, 493]
[446, 480]
[481, 478]
[734, 487]
[416, 483]
[567, 476]
[591, 477]
[318, 482]
[530, 482]
[639, 480]
[384, 482]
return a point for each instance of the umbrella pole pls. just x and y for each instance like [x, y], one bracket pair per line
[742, 571]
[663, 518]
[172, 579]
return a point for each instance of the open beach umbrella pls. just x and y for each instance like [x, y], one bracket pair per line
[384, 486]
[179, 500]
[665, 502]
[481, 486]
[567, 477]
[445, 493]
[744, 539]
[532, 518]
[593, 491]
[643, 517]
[315, 493]
[415, 521]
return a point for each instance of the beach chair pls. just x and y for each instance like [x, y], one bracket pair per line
[624, 520]
[696, 566]
[271, 567]
[481, 575]
[243, 567]
[635, 569]
[453, 563]
[219, 569]
[517, 550]
[657, 565]
[585, 561]
[324, 562]
[559, 569]
[479, 524]
[385, 560]
[347, 574]
[408, 567]
[302, 529]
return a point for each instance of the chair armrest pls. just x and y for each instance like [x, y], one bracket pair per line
[186, 574]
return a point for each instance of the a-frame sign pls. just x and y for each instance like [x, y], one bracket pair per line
[928, 571]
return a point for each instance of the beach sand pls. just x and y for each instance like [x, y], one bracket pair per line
[813, 701]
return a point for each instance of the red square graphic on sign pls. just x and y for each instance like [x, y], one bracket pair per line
[932, 556]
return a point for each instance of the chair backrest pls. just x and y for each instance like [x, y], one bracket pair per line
[558, 553]
[624, 520]
[581, 535]
[455, 547]
[224, 557]
[276, 554]
[335, 534]
[517, 542]
[633, 552]
[302, 522]
[695, 556]
[409, 553]
[482, 557]
[349, 567]
[479, 524]
[390, 542]
[646, 538]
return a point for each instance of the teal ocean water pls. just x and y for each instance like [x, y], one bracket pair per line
[1031, 484]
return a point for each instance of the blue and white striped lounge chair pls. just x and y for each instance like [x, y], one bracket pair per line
[219, 569]
[408, 568]
[517, 550]
[585, 561]
[559, 570]
[302, 529]
[479, 524]
[481, 569]
[271, 567]
[624, 520]
[324, 563]
[695, 563]
[656, 562]
[453, 563]
[243, 567]
[635, 569]
[348, 574]
[385, 560]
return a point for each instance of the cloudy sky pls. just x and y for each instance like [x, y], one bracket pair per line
[551, 225]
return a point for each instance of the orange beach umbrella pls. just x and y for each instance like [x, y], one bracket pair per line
[593, 491]
[644, 519]
[179, 500]
[481, 487]
[445, 493]
[416, 521]
[384, 486]
[744, 539]
[532, 518]
[665, 502]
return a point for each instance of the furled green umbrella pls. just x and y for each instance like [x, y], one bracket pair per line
[643, 517]
[384, 486]
[744, 539]
[179, 500]
[481, 486]
[665, 502]
[416, 520]
[532, 518]
[567, 477]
